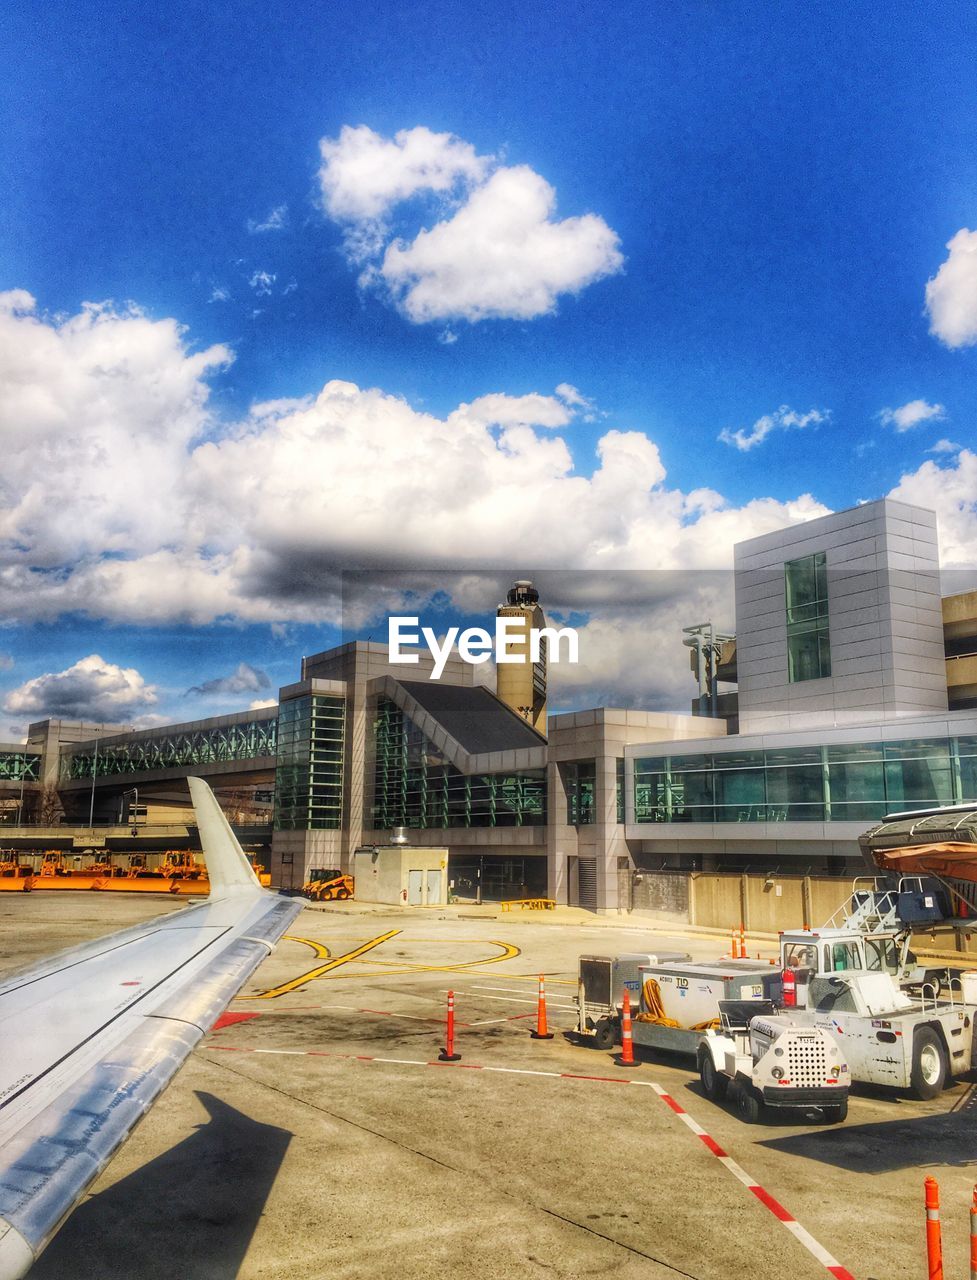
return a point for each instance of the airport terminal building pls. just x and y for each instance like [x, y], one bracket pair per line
[848, 690]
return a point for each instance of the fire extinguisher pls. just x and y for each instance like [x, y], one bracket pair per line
[790, 989]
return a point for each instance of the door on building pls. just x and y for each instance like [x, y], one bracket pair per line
[587, 876]
[415, 888]
[434, 887]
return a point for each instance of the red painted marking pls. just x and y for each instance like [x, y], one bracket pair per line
[471, 1066]
[775, 1207]
[670, 1102]
[128, 984]
[228, 1048]
[840, 1273]
[229, 1019]
[713, 1145]
[571, 1075]
[364, 1057]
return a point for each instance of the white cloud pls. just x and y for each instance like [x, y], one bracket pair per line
[951, 295]
[92, 689]
[98, 412]
[261, 703]
[950, 491]
[501, 253]
[244, 679]
[945, 446]
[911, 415]
[782, 419]
[261, 282]
[500, 256]
[121, 498]
[219, 294]
[277, 220]
[363, 175]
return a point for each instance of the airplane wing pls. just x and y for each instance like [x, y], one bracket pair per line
[90, 1038]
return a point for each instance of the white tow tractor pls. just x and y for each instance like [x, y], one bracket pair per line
[759, 1058]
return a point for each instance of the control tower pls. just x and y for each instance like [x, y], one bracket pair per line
[522, 684]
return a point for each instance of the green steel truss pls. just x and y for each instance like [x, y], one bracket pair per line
[414, 786]
[174, 749]
[19, 766]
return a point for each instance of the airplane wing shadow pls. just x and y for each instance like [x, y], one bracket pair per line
[190, 1212]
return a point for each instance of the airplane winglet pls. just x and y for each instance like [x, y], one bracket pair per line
[227, 868]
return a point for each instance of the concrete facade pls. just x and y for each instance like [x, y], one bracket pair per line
[884, 613]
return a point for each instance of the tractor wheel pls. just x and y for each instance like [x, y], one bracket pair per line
[748, 1103]
[342, 894]
[929, 1064]
[836, 1114]
[714, 1084]
[605, 1034]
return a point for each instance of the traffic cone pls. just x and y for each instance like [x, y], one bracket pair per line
[734, 944]
[448, 1054]
[541, 1032]
[934, 1242]
[626, 1057]
[743, 952]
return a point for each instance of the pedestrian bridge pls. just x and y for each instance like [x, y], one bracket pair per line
[238, 749]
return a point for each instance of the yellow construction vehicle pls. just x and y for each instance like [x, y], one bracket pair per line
[326, 884]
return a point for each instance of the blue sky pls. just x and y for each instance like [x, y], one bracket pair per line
[769, 189]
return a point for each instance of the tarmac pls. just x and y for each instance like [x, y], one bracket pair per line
[315, 1134]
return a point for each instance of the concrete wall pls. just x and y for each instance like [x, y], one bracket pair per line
[719, 900]
[884, 615]
[383, 875]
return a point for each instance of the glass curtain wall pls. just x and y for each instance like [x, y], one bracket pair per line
[581, 783]
[415, 786]
[309, 771]
[843, 783]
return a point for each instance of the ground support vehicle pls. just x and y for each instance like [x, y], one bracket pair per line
[327, 884]
[673, 998]
[888, 1037]
[759, 1057]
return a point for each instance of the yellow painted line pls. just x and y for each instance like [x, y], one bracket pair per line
[509, 952]
[318, 972]
[321, 950]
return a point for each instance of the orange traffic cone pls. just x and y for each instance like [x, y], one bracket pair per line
[626, 1057]
[934, 1244]
[541, 1033]
[448, 1054]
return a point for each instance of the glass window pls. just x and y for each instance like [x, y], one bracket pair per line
[581, 781]
[808, 644]
[839, 956]
[918, 774]
[619, 790]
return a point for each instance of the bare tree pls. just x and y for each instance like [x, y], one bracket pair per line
[48, 807]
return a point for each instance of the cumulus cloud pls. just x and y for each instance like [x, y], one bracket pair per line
[99, 411]
[782, 419]
[911, 415]
[500, 254]
[244, 679]
[277, 220]
[92, 689]
[951, 295]
[945, 446]
[260, 704]
[950, 491]
[363, 175]
[122, 498]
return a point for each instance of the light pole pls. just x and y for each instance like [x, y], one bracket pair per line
[20, 805]
[91, 807]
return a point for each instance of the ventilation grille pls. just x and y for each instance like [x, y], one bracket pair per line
[806, 1061]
